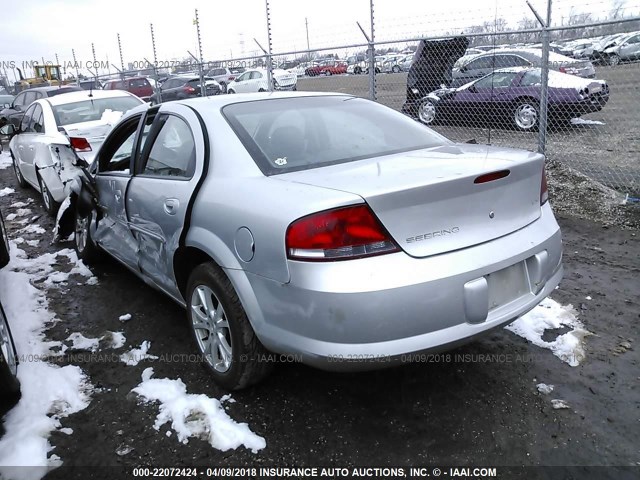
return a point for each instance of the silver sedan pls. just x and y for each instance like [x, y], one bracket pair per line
[319, 225]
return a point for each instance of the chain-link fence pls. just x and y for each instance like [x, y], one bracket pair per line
[569, 88]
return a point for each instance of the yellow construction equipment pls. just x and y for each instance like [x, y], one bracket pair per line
[43, 75]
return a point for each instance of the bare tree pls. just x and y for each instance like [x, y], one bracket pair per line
[617, 9]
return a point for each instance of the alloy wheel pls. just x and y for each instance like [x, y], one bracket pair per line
[211, 327]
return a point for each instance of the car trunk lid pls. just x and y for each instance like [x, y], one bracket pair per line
[438, 200]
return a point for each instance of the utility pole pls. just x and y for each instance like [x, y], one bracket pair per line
[203, 89]
[306, 24]
[120, 49]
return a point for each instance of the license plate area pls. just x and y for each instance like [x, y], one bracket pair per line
[507, 285]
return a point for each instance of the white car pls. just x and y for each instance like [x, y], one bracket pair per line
[55, 131]
[255, 80]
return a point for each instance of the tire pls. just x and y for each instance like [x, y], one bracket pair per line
[427, 112]
[21, 181]
[614, 60]
[50, 205]
[83, 244]
[9, 384]
[327, 73]
[525, 115]
[231, 91]
[260, 90]
[231, 351]
[4, 244]
[395, 69]
[357, 70]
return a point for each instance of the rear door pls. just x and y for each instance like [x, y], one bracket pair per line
[160, 196]
[25, 145]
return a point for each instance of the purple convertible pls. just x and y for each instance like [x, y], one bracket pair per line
[512, 96]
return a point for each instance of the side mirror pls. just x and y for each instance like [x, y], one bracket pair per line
[17, 108]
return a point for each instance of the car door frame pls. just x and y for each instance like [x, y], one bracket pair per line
[110, 229]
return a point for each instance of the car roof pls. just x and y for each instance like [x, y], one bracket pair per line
[73, 97]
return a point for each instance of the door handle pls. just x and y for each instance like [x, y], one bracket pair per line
[171, 206]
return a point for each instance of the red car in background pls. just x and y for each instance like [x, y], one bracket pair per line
[327, 68]
[139, 86]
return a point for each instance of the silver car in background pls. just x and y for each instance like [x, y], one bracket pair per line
[321, 225]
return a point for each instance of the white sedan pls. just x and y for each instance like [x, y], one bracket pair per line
[255, 80]
[55, 131]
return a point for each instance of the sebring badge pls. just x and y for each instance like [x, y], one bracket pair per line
[431, 235]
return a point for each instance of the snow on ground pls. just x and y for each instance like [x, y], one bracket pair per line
[136, 355]
[6, 191]
[49, 392]
[558, 404]
[5, 160]
[550, 315]
[33, 228]
[193, 415]
[42, 267]
[113, 340]
[544, 389]
[584, 121]
[125, 318]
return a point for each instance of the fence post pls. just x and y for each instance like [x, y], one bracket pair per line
[543, 123]
[203, 89]
[372, 57]
[269, 62]
[157, 88]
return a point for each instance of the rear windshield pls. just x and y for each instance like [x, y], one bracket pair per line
[91, 110]
[58, 91]
[290, 134]
[139, 82]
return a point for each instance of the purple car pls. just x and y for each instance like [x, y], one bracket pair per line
[512, 96]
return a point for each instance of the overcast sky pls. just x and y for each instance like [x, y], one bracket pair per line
[44, 28]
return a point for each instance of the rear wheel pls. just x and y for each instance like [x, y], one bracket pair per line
[427, 112]
[231, 90]
[84, 245]
[327, 73]
[50, 205]
[525, 115]
[357, 70]
[16, 169]
[395, 69]
[614, 60]
[221, 330]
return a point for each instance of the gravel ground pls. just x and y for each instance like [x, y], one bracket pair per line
[607, 151]
[447, 411]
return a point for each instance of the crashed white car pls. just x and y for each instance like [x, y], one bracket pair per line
[255, 80]
[55, 133]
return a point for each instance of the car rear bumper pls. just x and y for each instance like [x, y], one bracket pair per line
[284, 88]
[366, 313]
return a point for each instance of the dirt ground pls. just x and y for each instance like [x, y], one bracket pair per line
[453, 410]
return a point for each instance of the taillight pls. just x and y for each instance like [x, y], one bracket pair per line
[189, 89]
[80, 144]
[339, 234]
[544, 190]
[562, 70]
[232, 78]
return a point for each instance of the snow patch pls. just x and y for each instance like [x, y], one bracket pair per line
[80, 342]
[194, 415]
[136, 355]
[544, 388]
[558, 404]
[6, 191]
[551, 315]
[49, 392]
[125, 318]
[584, 121]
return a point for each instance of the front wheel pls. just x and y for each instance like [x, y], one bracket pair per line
[231, 91]
[357, 70]
[230, 348]
[614, 60]
[327, 73]
[395, 69]
[525, 116]
[9, 384]
[427, 112]
[16, 169]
